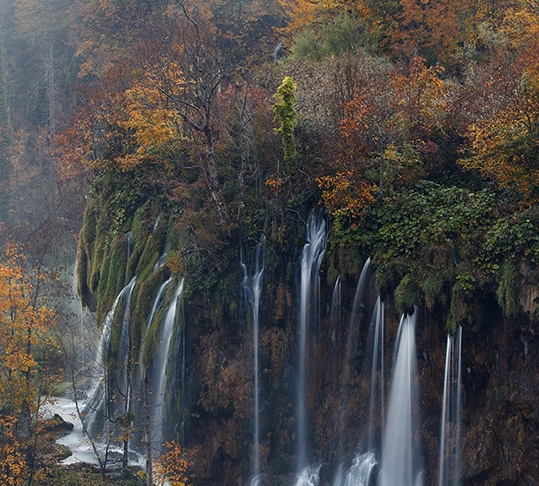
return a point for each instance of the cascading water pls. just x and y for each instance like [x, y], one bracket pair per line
[129, 244]
[377, 398]
[400, 463]
[361, 470]
[161, 260]
[162, 354]
[252, 289]
[352, 338]
[311, 260]
[449, 468]
[182, 337]
[308, 477]
[352, 341]
[96, 407]
[123, 379]
[336, 314]
[158, 300]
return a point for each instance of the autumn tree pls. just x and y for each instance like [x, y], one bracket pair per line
[285, 112]
[390, 136]
[23, 325]
[172, 467]
[504, 146]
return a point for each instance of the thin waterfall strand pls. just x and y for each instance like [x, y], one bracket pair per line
[252, 287]
[162, 355]
[311, 260]
[352, 341]
[449, 464]
[377, 372]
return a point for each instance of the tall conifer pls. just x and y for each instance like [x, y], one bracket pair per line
[5, 140]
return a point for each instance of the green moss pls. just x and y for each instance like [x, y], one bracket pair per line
[86, 250]
[99, 247]
[407, 294]
[509, 288]
[148, 258]
[112, 276]
[462, 296]
[115, 338]
[64, 453]
[152, 335]
[86, 296]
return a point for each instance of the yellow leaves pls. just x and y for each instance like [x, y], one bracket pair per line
[150, 114]
[307, 13]
[12, 461]
[520, 26]
[345, 193]
[172, 467]
[130, 121]
[421, 95]
[301, 12]
[23, 324]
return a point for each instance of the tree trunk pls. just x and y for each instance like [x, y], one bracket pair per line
[212, 179]
[147, 432]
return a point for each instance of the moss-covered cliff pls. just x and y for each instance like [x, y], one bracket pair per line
[445, 254]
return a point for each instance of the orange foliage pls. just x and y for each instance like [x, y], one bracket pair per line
[504, 145]
[172, 466]
[23, 324]
[13, 465]
[150, 116]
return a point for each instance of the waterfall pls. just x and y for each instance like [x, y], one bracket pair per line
[348, 363]
[400, 463]
[377, 398]
[252, 289]
[156, 223]
[336, 314]
[96, 408]
[124, 375]
[352, 338]
[308, 477]
[158, 300]
[162, 355]
[449, 468]
[129, 244]
[360, 472]
[183, 383]
[161, 260]
[311, 260]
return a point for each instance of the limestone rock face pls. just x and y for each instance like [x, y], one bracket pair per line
[500, 397]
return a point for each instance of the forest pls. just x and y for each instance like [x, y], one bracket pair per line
[152, 144]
